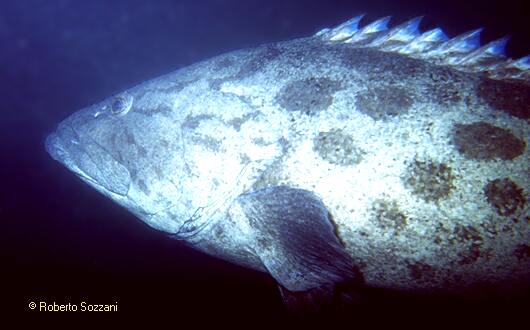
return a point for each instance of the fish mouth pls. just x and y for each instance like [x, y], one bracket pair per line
[88, 160]
[61, 150]
[55, 148]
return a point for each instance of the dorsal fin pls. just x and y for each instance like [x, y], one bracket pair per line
[343, 31]
[434, 35]
[405, 32]
[369, 31]
[376, 26]
[488, 56]
[464, 52]
[463, 43]
[426, 41]
[521, 64]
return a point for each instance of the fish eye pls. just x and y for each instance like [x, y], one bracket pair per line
[121, 104]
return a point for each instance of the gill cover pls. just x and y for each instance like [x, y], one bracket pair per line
[112, 176]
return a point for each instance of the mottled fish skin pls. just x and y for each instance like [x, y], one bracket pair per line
[423, 166]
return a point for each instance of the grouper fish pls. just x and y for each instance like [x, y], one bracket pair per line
[362, 155]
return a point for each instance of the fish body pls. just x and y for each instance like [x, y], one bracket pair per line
[390, 155]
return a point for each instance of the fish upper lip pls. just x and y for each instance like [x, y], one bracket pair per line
[56, 142]
[53, 147]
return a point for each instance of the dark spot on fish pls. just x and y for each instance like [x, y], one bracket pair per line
[192, 122]
[446, 94]
[257, 61]
[440, 84]
[337, 148]
[113, 138]
[207, 141]
[388, 215]
[237, 122]
[510, 97]
[119, 155]
[383, 102]
[260, 142]
[522, 251]
[158, 172]
[441, 234]
[482, 141]
[446, 85]
[381, 66]
[162, 109]
[142, 152]
[471, 241]
[129, 138]
[133, 171]
[272, 51]
[164, 143]
[271, 176]
[264, 243]
[175, 87]
[489, 227]
[252, 62]
[421, 271]
[224, 62]
[471, 255]
[309, 96]
[429, 180]
[216, 83]
[303, 53]
[505, 196]
[143, 187]
[463, 234]
[446, 75]
[244, 159]
[219, 231]
[284, 144]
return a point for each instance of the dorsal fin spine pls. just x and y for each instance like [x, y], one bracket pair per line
[492, 50]
[498, 47]
[462, 43]
[408, 30]
[404, 32]
[434, 35]
[522, 64]
[424, 42]
[369, 31]
[346, 29]
[379, 25]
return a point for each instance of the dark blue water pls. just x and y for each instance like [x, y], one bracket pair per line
[61, 241]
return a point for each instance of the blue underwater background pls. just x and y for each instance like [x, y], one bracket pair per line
[62, 241]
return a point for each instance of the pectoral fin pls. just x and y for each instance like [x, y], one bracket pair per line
[296, 242]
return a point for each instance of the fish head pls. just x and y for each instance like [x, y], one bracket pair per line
[83, 143]
[121, 152]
